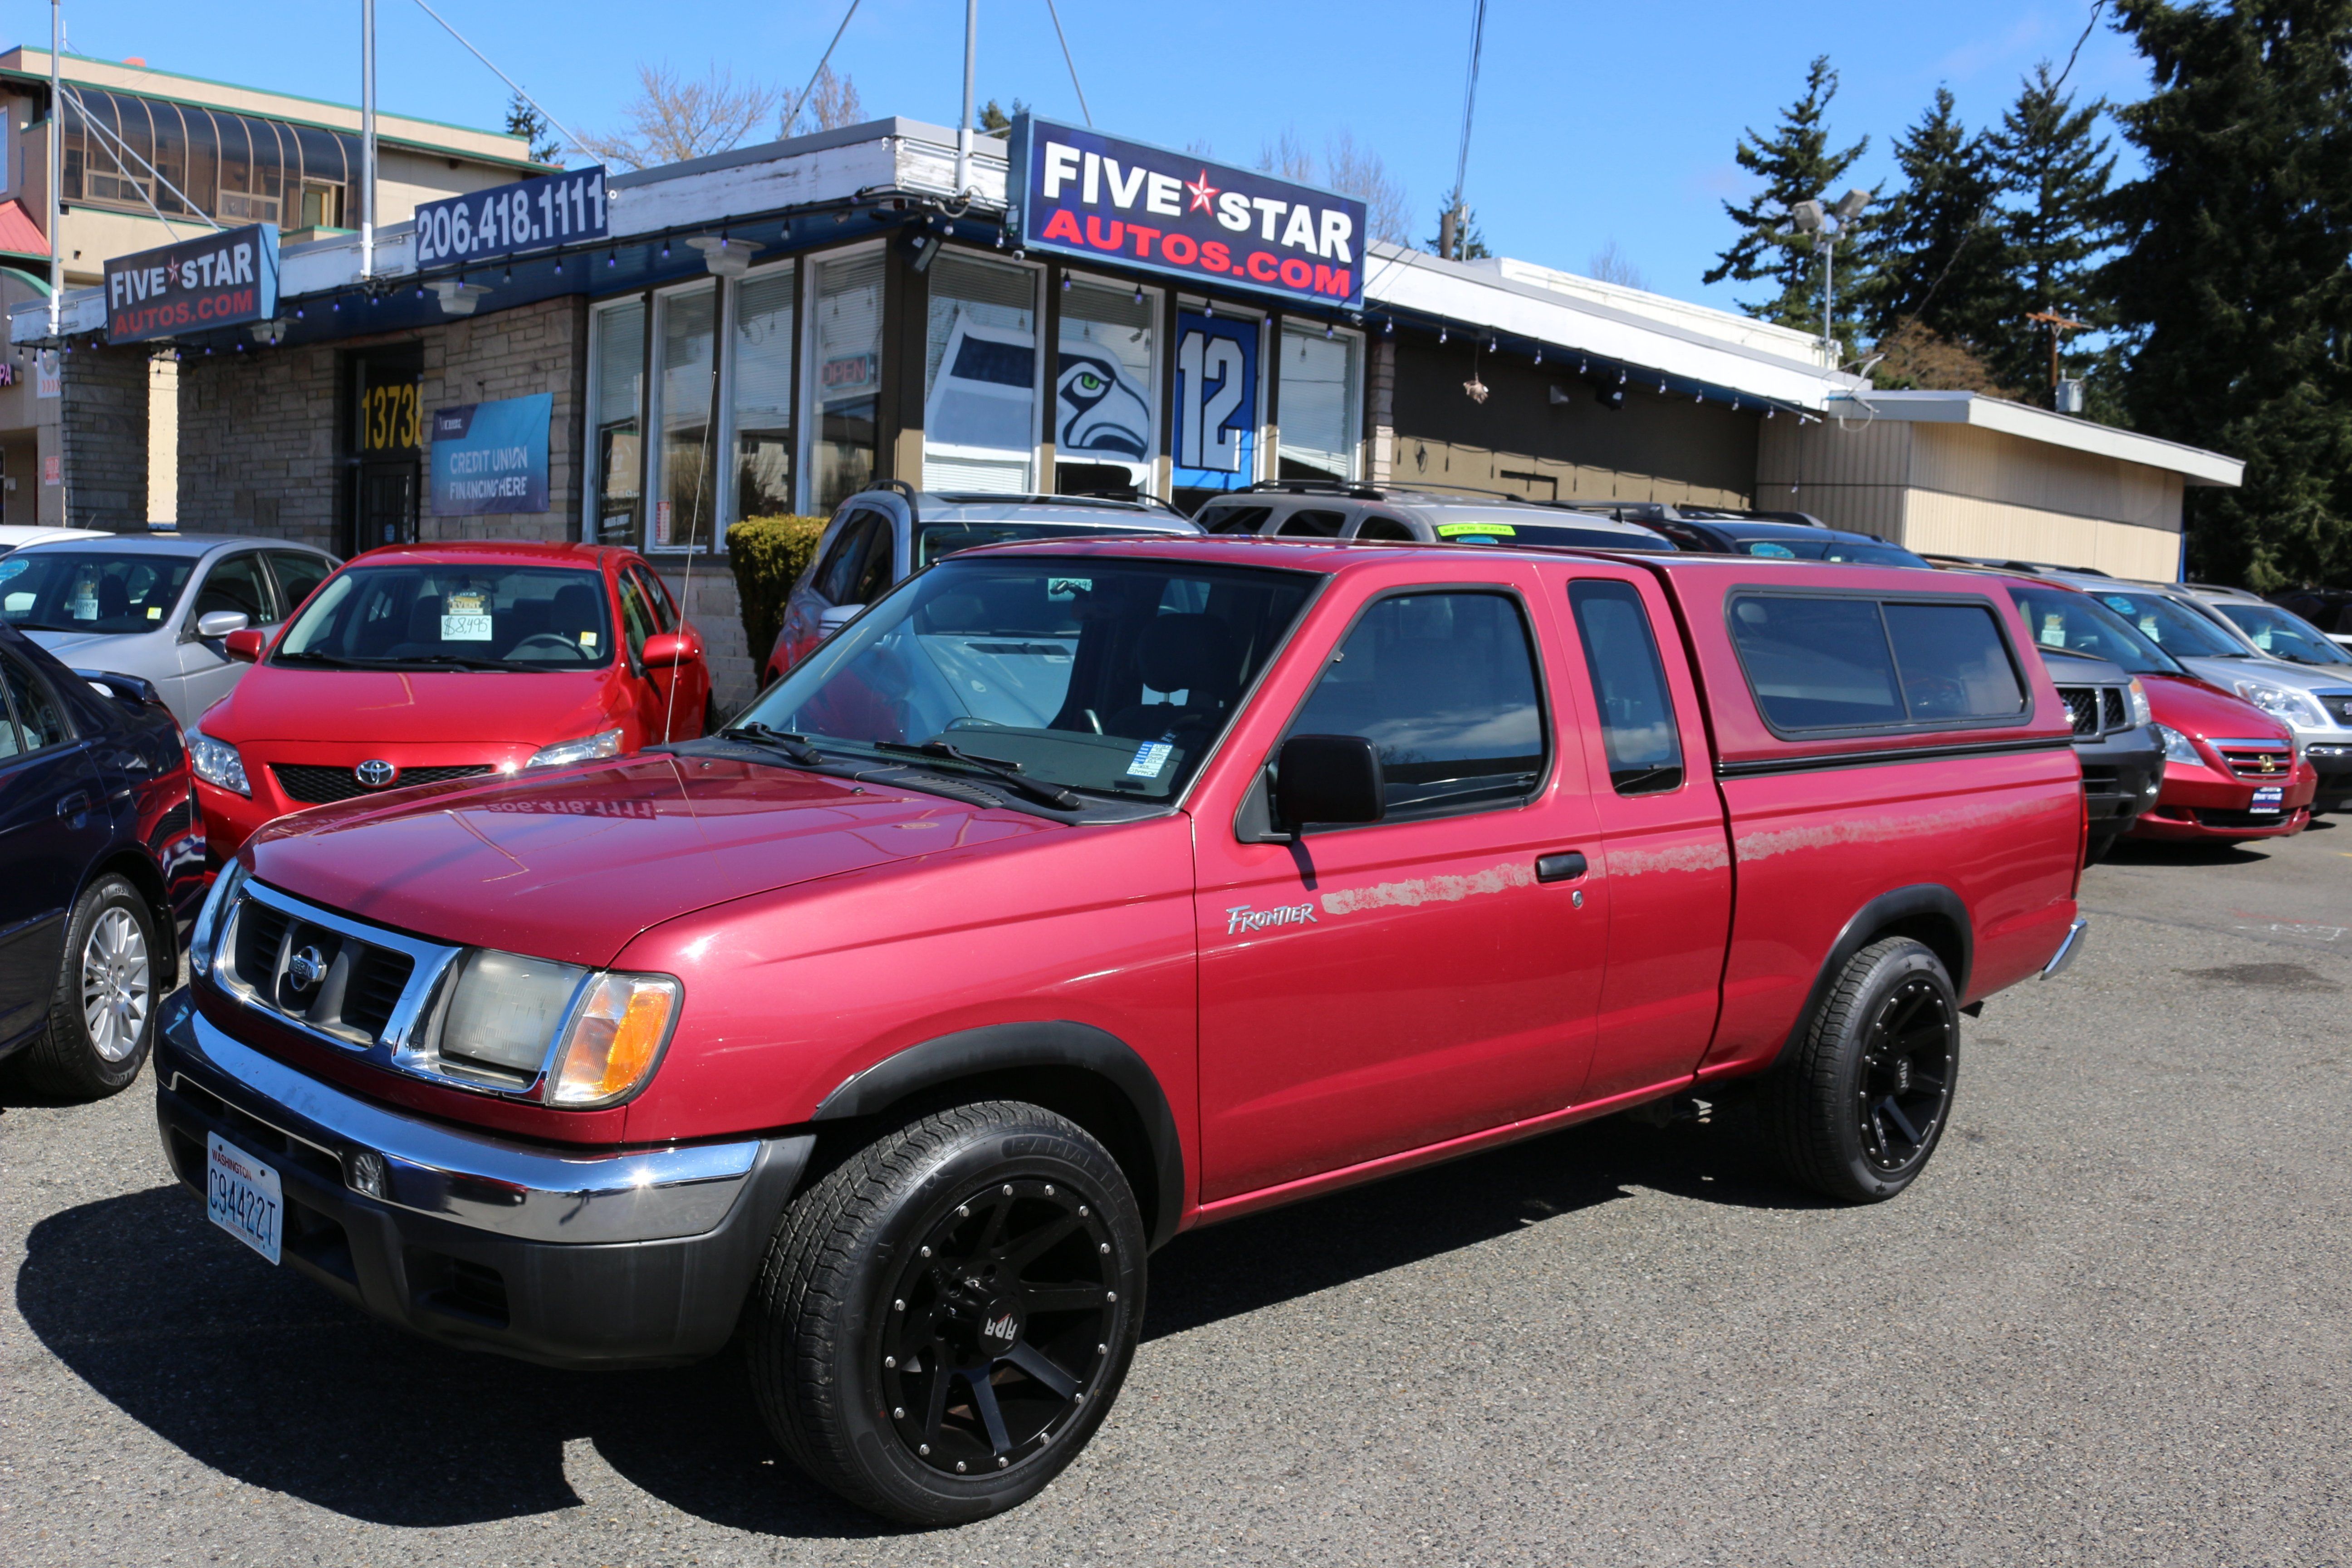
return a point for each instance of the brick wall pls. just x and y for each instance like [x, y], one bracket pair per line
[258, 429]
[104, 409]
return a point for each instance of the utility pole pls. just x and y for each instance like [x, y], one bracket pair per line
[57, 171]
[367, 139]
[2059, 327]
[963, 131]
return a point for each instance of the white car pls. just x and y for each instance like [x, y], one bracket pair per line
[16, 536]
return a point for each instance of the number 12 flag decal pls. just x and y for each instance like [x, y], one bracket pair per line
[1082, 194]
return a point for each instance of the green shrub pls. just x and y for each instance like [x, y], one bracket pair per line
[769, 553]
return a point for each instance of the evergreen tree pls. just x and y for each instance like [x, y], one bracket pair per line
[1469, 239]
[525, 121]
[2233, 285]
[1943, 272]
[2053, 166]
[995, 121]
[1798, 164]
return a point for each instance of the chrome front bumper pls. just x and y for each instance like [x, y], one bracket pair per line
[2066, 950]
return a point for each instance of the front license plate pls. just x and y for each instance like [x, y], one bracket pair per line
[242, 1197]
[2270, 797]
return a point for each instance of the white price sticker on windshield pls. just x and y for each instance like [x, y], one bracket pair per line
[1149, 758]
[465, 628]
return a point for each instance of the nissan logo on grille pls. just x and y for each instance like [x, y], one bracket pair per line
[305, 969]
[375, 773]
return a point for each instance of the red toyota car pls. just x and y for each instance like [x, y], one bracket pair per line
[2231, 771]
[421, 663]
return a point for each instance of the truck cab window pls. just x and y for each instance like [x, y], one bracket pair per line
[1637, 713]
[1444, 686]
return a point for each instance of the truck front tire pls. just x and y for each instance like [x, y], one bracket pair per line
[1857, 1106]
[946, 1315]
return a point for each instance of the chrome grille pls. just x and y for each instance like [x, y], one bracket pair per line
[358, 984]
[2338, 705]
[2271, 761]
[2082, 705]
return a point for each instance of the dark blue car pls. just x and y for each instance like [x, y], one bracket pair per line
[101, 871]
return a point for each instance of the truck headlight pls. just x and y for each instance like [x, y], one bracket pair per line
[505, 1010]
[206, 937]
[586, 749]
[616, 1037]
[218, 764]
[2140, 712]
[2179, 747]
[2299, 710]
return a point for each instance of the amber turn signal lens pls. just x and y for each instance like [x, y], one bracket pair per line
[614, 1038]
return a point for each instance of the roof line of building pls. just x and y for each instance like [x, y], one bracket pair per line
[2196, 465]
[41, 79]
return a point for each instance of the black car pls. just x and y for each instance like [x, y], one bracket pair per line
[101, 871]
[2116, 741]
[1776, 535]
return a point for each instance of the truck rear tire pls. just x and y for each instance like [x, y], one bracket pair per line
[1859, 1103]
[945, 1317]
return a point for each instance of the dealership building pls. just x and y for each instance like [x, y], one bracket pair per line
[770, 329]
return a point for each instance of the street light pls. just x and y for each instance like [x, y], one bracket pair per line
[1825, 223]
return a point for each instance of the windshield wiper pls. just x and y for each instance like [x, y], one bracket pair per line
[796, 747]
[460, 661]
[327, 659]
[996, 768]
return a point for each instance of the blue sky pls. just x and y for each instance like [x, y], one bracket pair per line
[1595, 121]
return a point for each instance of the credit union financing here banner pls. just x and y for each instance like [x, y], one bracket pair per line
[220, 280]
[491, 457]
[1084, 194]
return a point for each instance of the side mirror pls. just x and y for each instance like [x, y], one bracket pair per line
[215, 624]
[835, 616]
[243, 644]
[667, 650]
[1324, 779]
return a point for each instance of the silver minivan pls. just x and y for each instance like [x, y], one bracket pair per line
[157, 605]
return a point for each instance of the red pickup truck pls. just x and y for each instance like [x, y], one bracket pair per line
[1072, 896]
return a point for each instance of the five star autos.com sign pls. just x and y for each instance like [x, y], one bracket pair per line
[1084, 194]
[220, 280]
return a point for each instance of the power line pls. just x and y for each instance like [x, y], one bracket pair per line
[793, 110]
[2096, 7]
[1052, 11]
[1469, 106]
[568, 135]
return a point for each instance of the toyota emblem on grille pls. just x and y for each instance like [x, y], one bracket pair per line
[305, 969]
[375, 773]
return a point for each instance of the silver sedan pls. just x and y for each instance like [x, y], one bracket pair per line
[157, 605]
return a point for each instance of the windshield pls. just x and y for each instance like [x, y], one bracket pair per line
[1105, 675]
[464, 616]
[2180, 631]
[69, 591]
[933, 539]
[2281, 635]
[1850, 551]
[1484, 533]
[2075, 623]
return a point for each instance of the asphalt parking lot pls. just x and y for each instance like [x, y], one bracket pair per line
[2111, 1324]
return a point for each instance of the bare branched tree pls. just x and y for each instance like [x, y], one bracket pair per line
[1610, 264]
[831, 104]
[1359, 172]
[1287, 156]
[673, 119]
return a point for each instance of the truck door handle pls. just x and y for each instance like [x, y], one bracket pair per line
[75, 804]
[1565, 867]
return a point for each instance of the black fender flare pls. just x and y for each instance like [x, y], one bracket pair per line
[1010, 1048]
[1888, 909]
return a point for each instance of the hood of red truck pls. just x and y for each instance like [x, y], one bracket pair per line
[275, 702]
[2194, 707]
[571, 867]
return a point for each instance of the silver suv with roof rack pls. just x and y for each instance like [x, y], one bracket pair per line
[1297, 508]
[891, 530]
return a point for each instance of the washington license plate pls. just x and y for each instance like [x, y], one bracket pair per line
[242, 1197]
[2269, 798]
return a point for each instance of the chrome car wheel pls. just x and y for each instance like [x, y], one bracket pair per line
[117, 989]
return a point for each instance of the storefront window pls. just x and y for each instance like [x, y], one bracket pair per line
[761, 345]
[1321, 391]
[617, 418]
[1106, 414]
[848, 344]
[685, 490]
[979, 377]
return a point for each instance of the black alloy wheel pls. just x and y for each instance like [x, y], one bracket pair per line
[998, 1324]
[946, 1313]
[1861, 1097]
[1906, 1086]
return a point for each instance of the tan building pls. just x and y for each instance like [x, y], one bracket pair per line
[152, 157]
